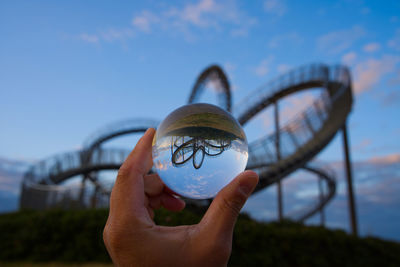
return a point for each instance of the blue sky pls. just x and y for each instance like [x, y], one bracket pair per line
[68, 68]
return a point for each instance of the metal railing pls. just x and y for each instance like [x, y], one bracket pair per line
[295, 77]
[326, 193]
[118, 127]
[303, 127]
[46, 171]
[292, 136]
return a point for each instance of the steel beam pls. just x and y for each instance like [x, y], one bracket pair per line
[352, 205]
[321, 199]
[278, 158]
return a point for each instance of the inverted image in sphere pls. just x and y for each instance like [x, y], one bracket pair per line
[198, 149]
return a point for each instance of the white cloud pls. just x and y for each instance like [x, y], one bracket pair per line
[371, 47]
[338, 41]
[263, 68]
[108, 35]
[195, 13]
[295, 105]
[111, 35]
[144, 21]
[387, 159]
[188, 20]
[368, 73]
[204, 14]
[89, 38]
[275, 7]
[349, 58]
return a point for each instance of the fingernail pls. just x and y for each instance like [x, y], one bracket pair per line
[245, 189]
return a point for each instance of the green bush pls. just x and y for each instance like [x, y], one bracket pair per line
[76, 236]
[53, 236]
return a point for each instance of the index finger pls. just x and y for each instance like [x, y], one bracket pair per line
[140, 159]
[127, 196]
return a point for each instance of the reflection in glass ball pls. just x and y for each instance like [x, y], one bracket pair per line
[198, 149]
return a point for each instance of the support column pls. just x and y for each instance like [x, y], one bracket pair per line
[321, 197]
[278, 158]
[352, 205]
[82, 192]
[94, 198]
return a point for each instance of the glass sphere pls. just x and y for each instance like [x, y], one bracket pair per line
[198, 149]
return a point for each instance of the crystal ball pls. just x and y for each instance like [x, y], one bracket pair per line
[198, 149]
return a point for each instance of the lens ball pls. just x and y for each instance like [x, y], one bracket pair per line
[198, 149]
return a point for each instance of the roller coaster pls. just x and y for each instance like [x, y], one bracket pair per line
[290, 147]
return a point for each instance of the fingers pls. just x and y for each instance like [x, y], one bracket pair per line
[172, 203]
[153, 185]
[127, 197]
[159, 195]
[140, 159]
[167, 201]
[221, 216]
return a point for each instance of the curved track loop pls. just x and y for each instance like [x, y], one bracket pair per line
[41, 180]
[300, 140]
[116, 129]
[42, 183]
[329, 177]
[113, 130]
[215, 75]
[306, 134]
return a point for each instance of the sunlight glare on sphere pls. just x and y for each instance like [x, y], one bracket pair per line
[198, 149]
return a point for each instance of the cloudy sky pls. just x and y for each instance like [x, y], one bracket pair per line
[68, 68]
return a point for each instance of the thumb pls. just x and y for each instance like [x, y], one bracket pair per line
[221, 216]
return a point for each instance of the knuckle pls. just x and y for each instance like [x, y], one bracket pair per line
[233, 205]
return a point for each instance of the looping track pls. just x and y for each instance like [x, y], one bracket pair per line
[273, 156]
[217, 76]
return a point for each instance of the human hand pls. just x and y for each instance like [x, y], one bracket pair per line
[133, 239]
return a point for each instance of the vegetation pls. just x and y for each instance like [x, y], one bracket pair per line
[76, 237]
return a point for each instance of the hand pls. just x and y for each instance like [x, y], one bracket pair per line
[133, 239]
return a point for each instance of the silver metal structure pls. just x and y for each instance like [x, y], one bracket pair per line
[291, 147]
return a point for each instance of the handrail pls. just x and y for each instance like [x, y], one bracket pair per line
[116, 128]
[46, 171]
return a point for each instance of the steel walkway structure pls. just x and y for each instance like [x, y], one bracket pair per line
[289, 148]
